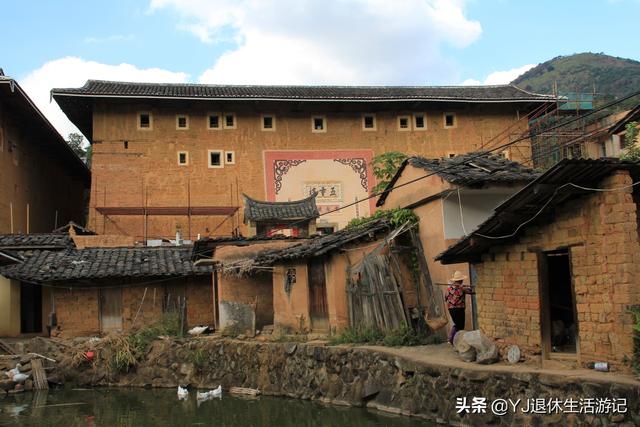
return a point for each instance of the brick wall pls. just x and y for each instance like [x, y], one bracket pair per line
[103, 241]
[148, 307]
[78, 311]
[601, 230]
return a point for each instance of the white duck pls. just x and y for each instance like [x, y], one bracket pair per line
[199, 330]
[210, 394]
[12, 372]
[183, 393]
[20, 377]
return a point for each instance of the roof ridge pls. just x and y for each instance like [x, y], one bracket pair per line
[277, 203]
[531, 93]
[297, 85]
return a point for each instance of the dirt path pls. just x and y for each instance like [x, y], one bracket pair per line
[443, 355]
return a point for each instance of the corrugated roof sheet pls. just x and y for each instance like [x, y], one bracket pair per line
[350, 93]
[101, 263]
[533, 203]
[257, 210]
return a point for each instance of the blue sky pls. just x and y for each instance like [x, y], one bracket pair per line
[62, 43]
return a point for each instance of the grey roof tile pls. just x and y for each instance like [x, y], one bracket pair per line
[322, 245]
[101, 263]
[100, 88]
[476, 168]
[36, 241]
[256, 210]
[470, 170]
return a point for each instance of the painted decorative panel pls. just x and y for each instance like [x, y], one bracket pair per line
[342, 179]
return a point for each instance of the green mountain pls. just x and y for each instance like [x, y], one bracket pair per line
[608, 76]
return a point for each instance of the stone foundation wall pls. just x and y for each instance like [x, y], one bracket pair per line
[362, 377]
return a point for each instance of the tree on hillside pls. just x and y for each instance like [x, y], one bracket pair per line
[385, 166]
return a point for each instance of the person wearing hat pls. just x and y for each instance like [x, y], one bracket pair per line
[455, 298]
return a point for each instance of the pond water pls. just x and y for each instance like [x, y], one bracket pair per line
[138, 407]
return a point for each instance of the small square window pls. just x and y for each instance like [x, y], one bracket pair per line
[449, 120]
[183, 158]
[404, 123]
[268, 122]
[318, 124]
[229, 121]
[144, 121]
[369, 122]
[452, 155]
[215, 159]
[419, 121]
[214, 121]
[230, 157]
[182, 122]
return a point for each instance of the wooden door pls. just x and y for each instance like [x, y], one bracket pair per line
[111, 309]
[318, 295]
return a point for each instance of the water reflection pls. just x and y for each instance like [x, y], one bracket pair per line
[136, 407]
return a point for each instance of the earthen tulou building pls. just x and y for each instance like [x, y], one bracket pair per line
[42, 181]
[173, 158]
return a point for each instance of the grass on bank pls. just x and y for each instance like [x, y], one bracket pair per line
[119, 352]
[404, 336]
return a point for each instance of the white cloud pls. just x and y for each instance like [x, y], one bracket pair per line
[500, 77]
[108, 39]
[74, 72]
[337, 42]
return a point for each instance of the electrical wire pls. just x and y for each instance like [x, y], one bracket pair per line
[445, 168]
[553, 195]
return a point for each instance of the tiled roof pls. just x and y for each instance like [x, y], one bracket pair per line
[476, 168]
[471, 169]
[205, 247]
[102, 263]
[317, 246]
[256, 210]
[499, 93]
[533, 204]
[36, 241]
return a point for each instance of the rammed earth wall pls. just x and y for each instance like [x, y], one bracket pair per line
[362, 377]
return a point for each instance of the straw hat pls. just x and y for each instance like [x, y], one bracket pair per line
[458, 277]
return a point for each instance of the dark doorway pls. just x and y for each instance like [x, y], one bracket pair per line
[318, 295]
[557, 302]
[30, 308]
